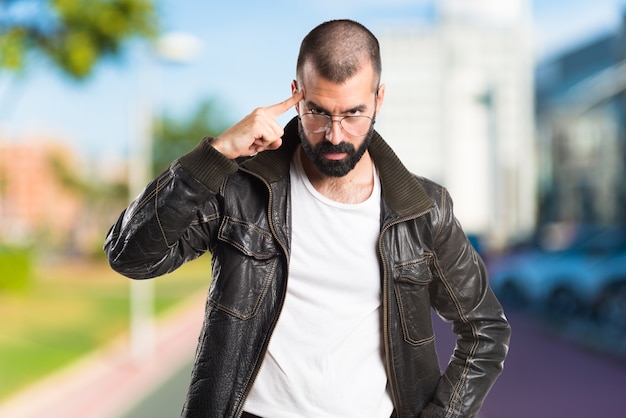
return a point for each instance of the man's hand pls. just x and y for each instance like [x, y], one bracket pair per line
[259, 131]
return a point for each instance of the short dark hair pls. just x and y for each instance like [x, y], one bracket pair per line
[338, 49]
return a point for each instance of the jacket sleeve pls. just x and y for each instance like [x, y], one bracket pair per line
[461, 294]
[172, 220]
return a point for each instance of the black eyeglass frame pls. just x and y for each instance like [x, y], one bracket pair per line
[331, 119]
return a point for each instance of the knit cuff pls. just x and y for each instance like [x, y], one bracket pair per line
[207, 164]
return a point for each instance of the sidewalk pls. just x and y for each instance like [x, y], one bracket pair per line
[108, 383]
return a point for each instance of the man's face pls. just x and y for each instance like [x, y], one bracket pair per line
[333, 160]
[334, 152]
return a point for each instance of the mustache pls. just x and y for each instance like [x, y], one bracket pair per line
[328, 148]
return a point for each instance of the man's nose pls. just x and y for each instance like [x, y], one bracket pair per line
[334, 131]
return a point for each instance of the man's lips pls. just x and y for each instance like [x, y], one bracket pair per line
[335, 156]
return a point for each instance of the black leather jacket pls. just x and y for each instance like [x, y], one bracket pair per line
[240, 212]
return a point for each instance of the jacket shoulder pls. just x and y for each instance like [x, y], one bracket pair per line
[434, 190]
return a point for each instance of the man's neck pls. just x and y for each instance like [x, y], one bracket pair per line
[354, 187]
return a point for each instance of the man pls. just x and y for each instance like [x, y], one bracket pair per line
[327, 257]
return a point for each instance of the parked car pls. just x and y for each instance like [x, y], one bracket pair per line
[568, 271]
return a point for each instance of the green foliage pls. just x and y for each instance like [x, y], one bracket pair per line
[15, 268]
[175, 136]
[73, 34]
[100, 199]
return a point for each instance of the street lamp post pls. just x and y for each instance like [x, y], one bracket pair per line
[174, 47]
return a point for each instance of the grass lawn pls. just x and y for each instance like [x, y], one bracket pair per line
[72, 309]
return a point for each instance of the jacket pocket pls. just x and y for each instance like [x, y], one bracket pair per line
[411, 280]
[244, 267]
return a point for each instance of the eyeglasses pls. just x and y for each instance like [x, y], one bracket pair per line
[319, 123]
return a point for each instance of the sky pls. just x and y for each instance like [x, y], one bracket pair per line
[246, 59]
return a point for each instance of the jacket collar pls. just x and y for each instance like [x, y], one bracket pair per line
[402, 192]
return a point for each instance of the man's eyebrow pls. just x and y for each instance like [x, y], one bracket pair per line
[312, 105]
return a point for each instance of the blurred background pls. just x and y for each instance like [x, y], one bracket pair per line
[518, 107]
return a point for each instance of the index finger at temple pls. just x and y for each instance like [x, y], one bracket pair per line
[280, 108]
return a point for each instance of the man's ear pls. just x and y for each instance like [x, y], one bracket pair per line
[294, 89]
[380, 97]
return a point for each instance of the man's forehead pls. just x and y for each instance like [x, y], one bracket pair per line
[311, 71]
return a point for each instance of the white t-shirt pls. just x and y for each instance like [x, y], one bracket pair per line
[325, 358]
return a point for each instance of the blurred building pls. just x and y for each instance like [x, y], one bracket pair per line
[581, 117]
[459, 110]
[35, 204]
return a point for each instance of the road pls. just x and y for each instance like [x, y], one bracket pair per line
[167, 400]
[548, 375]
[545, 376]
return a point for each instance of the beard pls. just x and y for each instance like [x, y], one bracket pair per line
[333, 168]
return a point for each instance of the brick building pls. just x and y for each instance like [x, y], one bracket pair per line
[35, 205]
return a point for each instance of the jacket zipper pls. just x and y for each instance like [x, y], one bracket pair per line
[282, 302]
[386, 337]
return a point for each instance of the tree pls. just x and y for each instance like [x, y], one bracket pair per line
[73, 34]
[101, 200]
[174, 136]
